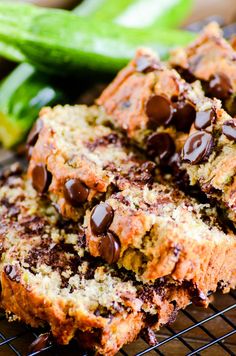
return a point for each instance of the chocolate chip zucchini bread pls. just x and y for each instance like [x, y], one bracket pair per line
[48, 278]
[77, 160]
[211, 59]
[151, 229]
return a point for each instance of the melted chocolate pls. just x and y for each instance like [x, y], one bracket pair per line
[76, 192]
[12, 273]
[40, 343]
[110, 248]
[160, 145]
[159, 111]
[101, 218]
[34, 133]
[197, 148]
[229, 129]
[183, 116]
[219, 86]
[41, 178]
[204, 119]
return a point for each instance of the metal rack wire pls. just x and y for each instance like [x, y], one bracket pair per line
[199, 337]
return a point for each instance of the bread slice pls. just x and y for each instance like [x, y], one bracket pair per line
[48, 278]
[211, 59]
[210, 151]
[79, 160]
[149, 228]
[162, 233]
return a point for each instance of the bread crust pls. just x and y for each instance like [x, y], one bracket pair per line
[209, 54]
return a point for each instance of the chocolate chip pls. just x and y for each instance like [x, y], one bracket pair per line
[160, 145]
[175, 162]
[146, 64]
[204, 119]
[197, 147]
[75, 192]
[148, 167]
[159, 111]
[229, 129]
[186, 74]
[12, 273]
[184, 116]
[41, 178]
[101, 218]
[200, 299]
[40, 343]
[34, 133]
[149, 336]
[110, 248]
[219, 86]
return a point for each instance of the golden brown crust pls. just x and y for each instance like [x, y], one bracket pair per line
[209, 54]
[126, 97]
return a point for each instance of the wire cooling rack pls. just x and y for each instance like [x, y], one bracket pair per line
[197, 331]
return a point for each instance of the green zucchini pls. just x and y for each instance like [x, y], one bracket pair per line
[137, 13]
[59, 41]
[25, 85]
[22, 94]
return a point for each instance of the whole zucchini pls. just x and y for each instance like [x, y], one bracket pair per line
[59, 41]
[20, 104]
[28, 86]
[137, 13]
